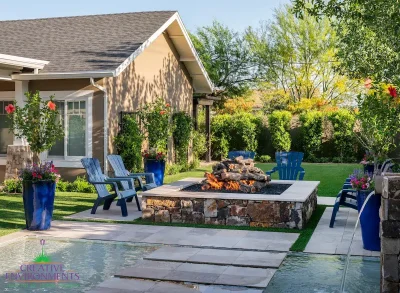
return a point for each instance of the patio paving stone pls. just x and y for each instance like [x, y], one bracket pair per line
[337, 240]
[218, 256]
[200, 273]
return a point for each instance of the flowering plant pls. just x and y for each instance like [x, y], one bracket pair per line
[39, 172]
[361, 181]
[378, 119]
[154, 155]
[156, 119]
[38, 122]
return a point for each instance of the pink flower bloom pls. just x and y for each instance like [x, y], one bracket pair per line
[51, 105]
[10, 109]
[392, 91]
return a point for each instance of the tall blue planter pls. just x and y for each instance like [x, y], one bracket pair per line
[369, 220]
[156, 167]
[38, 204]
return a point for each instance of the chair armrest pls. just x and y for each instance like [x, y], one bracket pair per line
[151, 175]
[301, 174]
[270, 171]
[115, 185]
[119, 179]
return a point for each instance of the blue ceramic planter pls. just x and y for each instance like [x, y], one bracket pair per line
[38, 204]
[156, 167]
[369, 220]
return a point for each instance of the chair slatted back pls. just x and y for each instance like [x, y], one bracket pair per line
[95, 174]
[119, 169]
[289, 164]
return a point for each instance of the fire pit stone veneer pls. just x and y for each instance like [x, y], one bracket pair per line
[291, 209]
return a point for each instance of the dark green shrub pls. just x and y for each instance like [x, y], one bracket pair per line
[62, 186]
[343, 136]
[183, 126]
[233, 132]
[173, 169]
[199, 144]
[129, 143]
[279, 126]
[264, 159]
[12, 186]
[311, 131]
[81, 185]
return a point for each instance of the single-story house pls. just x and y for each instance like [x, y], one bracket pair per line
[97, 67]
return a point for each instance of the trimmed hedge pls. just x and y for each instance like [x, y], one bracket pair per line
[311, 128]
[279, 126]
[322, 136]
[233, 132]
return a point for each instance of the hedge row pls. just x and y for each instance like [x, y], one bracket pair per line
[323, 137]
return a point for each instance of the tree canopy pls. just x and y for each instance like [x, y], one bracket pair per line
[227, 57]
[297, 56]
[367, 33]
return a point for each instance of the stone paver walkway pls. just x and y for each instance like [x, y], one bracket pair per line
[183, 236]
[338, 239]
[117, 285]
[254, 259]
[113, 214]
[199, 273]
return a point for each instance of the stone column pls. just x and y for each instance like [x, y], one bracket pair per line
[18, 156]
[390, 234]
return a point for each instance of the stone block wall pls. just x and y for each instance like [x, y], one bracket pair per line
[277, 214]
[390, 234]
[18, 156]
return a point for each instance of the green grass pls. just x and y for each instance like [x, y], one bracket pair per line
[12, 216]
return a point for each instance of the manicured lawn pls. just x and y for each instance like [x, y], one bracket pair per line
[12, 210]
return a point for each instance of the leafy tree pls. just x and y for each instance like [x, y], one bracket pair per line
[298, 57]
[227, 57]
[279, 126]
[367, 33]
[37, 122]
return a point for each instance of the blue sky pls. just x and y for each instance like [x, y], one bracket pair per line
[237, 14]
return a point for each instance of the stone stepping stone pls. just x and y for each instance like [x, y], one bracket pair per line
[199, 273]
[119, 285]
[254, 259]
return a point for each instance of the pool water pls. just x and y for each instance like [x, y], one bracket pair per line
[306, 273]
[94, 261]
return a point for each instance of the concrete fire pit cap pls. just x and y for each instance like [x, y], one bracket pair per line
[299, 191]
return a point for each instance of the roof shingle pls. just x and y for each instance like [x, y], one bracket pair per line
[80, 43]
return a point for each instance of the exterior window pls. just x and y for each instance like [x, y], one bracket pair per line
[73, 118]
[6, 138]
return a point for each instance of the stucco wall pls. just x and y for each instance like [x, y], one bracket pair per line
[157, 72]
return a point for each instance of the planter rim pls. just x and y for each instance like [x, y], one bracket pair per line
[154, 160]
[38, 181]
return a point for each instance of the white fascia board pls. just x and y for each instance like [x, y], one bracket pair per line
[194, 52]
[62, 75]
[22, 61]
[147, 43]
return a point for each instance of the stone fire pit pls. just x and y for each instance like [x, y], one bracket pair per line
[291, 209]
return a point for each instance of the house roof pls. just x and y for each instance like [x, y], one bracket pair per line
[95, 45]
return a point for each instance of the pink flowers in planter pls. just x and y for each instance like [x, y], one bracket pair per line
[51, 105]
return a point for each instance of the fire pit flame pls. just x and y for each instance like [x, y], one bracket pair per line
[238, 174]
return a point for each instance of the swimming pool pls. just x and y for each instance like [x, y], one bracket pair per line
[96, 261]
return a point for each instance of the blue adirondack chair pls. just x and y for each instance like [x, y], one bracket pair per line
[288, 165]
[347, 197]
[120, 171]
[245, 154]
[99, 180]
